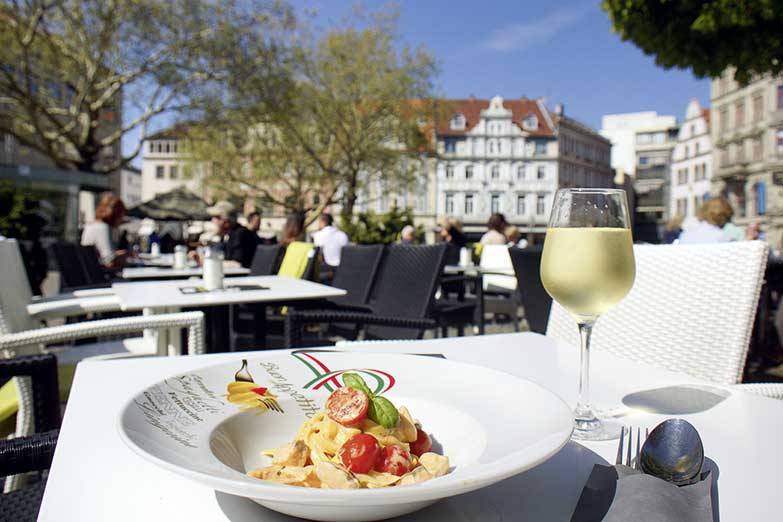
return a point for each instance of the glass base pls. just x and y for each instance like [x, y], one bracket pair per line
[592, 428]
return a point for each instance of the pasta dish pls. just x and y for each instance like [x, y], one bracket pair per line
[359, 440]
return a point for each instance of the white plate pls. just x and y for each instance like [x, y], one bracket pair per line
[490, 424]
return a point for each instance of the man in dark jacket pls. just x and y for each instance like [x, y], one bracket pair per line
[239, 244]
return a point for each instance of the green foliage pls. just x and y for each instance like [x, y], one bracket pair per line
[369, 228]
[706, 36]
[18, 218]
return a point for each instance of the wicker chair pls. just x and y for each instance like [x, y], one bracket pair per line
[500, 291]
[691, 310]
[266, 260]
[402, 298]
[535, 300]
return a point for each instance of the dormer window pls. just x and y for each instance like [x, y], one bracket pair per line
[530, 122]
[458, 122]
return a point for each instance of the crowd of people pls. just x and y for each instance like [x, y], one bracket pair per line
[715, 226]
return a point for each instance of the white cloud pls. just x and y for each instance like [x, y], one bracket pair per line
[515, 37]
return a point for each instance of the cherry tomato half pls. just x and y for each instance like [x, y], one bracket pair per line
[394, 459]
[422, 444]
[360, 453]
[347, 406]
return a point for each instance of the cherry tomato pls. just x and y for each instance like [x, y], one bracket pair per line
[422, 444]
[394, 459]
[360, 453]
[347, 406]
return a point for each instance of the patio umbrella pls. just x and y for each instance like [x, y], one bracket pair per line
[179, 204]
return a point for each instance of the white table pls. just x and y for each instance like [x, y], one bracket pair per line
[160, 272]
[166, 297]
[95, 477]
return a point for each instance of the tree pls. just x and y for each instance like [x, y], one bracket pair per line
[369, 228]
[706, 36]
[69, 67]
[306, 123]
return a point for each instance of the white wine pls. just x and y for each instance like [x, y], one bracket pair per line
[588, 270]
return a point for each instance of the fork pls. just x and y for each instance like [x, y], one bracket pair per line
[631, 462]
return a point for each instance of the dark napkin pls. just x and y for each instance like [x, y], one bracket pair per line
[621, 494]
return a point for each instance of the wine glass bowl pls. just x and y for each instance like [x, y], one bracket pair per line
[588, 267]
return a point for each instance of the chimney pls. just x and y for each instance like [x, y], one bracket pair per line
[559, 109]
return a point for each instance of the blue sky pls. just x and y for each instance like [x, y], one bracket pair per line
[564, 51]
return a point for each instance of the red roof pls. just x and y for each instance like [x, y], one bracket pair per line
[472, 107]
[706, 114]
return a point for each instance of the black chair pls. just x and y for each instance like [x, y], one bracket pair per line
[68, 259]
[96, 274]
[33, 453]
[356, 273]
[461, 303]
[401, 298]
[266, 260]
[535, 300]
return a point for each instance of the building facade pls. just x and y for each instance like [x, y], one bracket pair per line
[621, 130]
[747, 137]
[510, 156]
[691, 168]
[166, 165]
[130, 186]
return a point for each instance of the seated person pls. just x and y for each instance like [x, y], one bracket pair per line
[108, 216]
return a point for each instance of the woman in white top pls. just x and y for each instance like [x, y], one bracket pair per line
[715, 214]
[496, 235]
[109, 214]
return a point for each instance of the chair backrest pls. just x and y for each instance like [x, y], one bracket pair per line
[691, 309]
[15, 292]
[298, 255]
[356, 273]
[495, 257]
[68, 258]
[535, 300]
[265, 260]
[406, 286]
[91, 265]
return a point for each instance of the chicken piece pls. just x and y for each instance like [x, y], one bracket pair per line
[334, 477]
[292, 475]
[406, 426]
[415, 476]
[437, 465]
[292, 454]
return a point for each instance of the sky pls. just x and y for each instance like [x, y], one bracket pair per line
[563, 50]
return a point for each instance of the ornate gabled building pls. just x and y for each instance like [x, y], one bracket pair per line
[510, 156]
[691, 166]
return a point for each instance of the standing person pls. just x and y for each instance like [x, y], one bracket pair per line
[238, 243]
[672, 230]
[408, 235]
[714, 215]
[331, 241]
[293, 230]
[108, 216]
[496, 235]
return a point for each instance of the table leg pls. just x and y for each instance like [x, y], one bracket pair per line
[158, 338]
[218, 329]
[480, 303]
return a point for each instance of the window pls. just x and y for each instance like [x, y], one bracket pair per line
[779, 142]
[757, 151]
[468, 204]
[780, 97]
[724, 156]
[520, 172]
[152, 146]
[696, 148]
[541, 172]
[450, 145]
[687, 151]
[174, 147]
[758, 107]
[168, 147]
[682, 206]
[469, 172]
[491, 146]
[173, 172]
[644, 160]
[494, 204]
[540, 205]
[458, 122]
[159, 172]
[703, 171]
[724, 119]
[540, 147]
[449, 203]
[761, 198]
[693, 129]
[520, 204]
[449, 171]
[495, 172]
[739, 114]
[740, 152]
[530, 122]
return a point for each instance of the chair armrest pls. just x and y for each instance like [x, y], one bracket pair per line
[773, 390]
[41, 396]
[25, 454]
[295, 320]
[48, 309]
[193, 321]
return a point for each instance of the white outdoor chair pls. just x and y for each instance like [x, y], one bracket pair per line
[691, 310]
[500, 291]
[22, 332]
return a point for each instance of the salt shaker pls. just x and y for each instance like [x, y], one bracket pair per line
[180, 257]
[464, 257]
[213, 269]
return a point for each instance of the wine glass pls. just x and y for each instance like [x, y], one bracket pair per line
[588, 267]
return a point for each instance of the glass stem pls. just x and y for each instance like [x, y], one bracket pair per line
[584, 419]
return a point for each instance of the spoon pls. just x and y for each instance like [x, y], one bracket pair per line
[673, 452]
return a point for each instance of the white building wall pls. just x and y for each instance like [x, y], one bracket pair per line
[691, 168]
[165, 167]
[621, 130]
[130, 187]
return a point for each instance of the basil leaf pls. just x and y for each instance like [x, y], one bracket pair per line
[355, 381]
[383, 412]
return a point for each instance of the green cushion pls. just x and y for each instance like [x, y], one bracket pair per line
[9, 400]
[295, 259]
